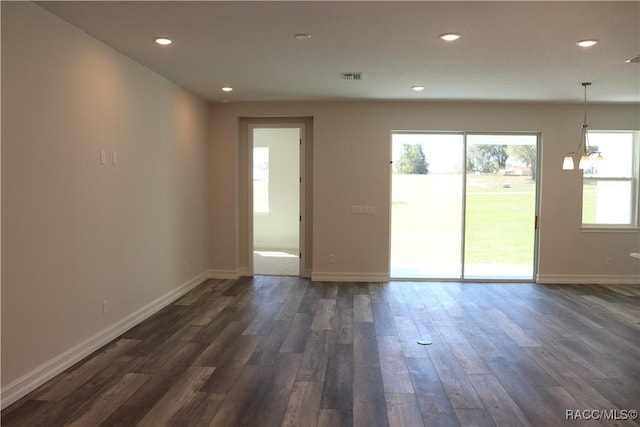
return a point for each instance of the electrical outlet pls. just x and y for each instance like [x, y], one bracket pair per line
[332, 259]
[105, 307]
[608, 261]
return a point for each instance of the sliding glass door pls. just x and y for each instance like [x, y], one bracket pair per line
[427, 189]
[500, 206]
[463, 206]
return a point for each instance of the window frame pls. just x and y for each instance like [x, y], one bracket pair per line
[633, 226]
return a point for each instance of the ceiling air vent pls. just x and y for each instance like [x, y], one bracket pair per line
[635, 59]
[352, 76]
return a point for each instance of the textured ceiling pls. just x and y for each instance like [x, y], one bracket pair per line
[509, 51]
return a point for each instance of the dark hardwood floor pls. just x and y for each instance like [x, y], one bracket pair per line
[284, 351]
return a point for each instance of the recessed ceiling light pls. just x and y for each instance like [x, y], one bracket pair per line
[635, 60]
[227, 89]
[417, 88]
[164, 41]
[302, 36]
[450, 37]
[587, 42]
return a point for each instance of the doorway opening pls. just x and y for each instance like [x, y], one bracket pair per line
[463, 206]
[276, 199]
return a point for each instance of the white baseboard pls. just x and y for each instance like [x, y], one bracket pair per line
[43, 373]
[349, 277]
[586, 279]
[223, 274]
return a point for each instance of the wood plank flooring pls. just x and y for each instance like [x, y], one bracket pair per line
[284, 351]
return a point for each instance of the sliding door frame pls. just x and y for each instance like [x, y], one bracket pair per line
[463, 202]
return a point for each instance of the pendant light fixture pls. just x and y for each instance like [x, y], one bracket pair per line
[583, 146]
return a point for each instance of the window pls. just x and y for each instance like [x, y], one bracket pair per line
[261, 179]
[610, 186]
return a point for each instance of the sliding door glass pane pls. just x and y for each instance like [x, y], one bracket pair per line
[427, 183]
[500, 205]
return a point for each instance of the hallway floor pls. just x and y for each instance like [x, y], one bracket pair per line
[276, 262]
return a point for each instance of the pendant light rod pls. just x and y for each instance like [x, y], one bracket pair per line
[584, 160]
[585, 85]
[585, 126]
[583, 137]
[568, 159]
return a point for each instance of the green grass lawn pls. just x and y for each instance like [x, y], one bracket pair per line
[427, 220]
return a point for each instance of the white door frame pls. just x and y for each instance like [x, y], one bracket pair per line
[301, 163]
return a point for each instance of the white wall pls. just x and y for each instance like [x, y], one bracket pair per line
[351, 153]
[74, 232]
[279, 227]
